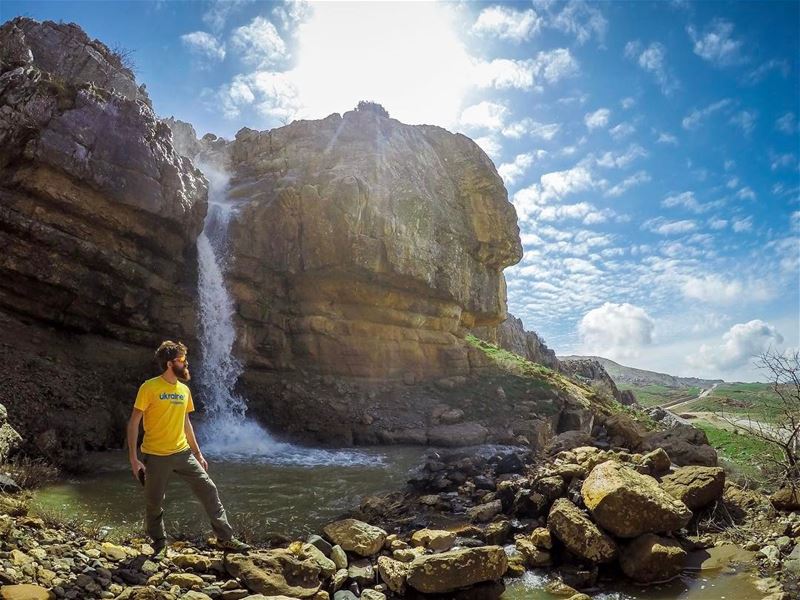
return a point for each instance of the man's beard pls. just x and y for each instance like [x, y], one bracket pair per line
[182, 373]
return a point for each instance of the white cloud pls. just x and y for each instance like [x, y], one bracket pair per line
[505, 73]
[716, 44]
[689, 202]
[746, 194]
[740, 344]
[781, 161]
[616, 330]
[787, 123]
[632, 181]
[259, 43]
[662, 226]
[586, 212]
[628, 102]
[488, 115]
[653, 60]
[596, 119]
[219, 11]
[715, 289]
[620, 161]
[527, 126]
[744, 224]
[622, 130]
[273, 95]
[555, 186]
[580, 19]
[717, 223]
[507, 24]
[760, 73]
[204, 44]
[293, 12]
[667, 138]
[695, 118]
[746, 120]
[511, 172]
[732, 183]
[490, 145]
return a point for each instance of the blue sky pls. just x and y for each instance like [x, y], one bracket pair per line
[651, 149]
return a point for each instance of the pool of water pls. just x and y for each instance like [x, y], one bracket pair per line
[294, 495]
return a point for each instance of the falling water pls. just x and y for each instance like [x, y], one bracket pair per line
[227, 431]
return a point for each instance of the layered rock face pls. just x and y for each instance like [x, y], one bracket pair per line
[363, 246]
[98, 221]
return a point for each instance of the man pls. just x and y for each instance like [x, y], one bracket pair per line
[170, 446]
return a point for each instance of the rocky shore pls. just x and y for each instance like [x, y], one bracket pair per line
[467, 522]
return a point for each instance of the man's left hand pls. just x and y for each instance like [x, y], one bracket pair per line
[201, 460]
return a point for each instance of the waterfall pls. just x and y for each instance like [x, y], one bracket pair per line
[227, 432]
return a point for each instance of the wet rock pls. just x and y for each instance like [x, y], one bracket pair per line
[320, 543]
[356, 536]
[496, 533]
[339, 557]
[326, 565]
[449, 571]
[362, 572]
[651, 558]
[275, 572]
[695, 486]
[579, 534]
[628, 504]
[535, 558]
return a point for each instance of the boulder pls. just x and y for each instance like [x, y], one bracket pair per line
[275, 572]
[393, 573]
[786, 498]
[685, 445]
[579, 534]
[651, 558]
[628, 504]
[356, 536]
[25, 591]
[433, 539]
[462, 434]
[658, 461]
[695, 486]
[449, 571]
[535, 558]
[624, 431]
[485, 512]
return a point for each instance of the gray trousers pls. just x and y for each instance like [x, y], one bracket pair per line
[159, 470]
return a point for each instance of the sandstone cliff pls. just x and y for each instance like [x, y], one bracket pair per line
[98, 221]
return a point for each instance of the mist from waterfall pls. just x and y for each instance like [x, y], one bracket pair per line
[227, 432]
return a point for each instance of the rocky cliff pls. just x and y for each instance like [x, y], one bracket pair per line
[511, 335]
[98, 221]
[362, 246]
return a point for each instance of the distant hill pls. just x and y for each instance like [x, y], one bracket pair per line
[639, 377]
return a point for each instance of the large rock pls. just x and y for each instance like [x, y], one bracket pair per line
[695, 486]
[628, 504]
[373, 241]
[577, 532]
[787, 498]
[393, 573]
[275, 572]
[356, 536]
[25, 591]
[10, 440]
[99, 218]
[685, 445]
[651, 558]
[449, 571]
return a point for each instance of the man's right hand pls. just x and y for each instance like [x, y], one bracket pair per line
[136, 466]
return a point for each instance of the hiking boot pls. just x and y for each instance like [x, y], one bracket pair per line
[233, 545]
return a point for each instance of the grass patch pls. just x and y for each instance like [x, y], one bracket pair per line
[755, 399]
[746, 452]
[514, 364]
[29, 473]
[652, 395]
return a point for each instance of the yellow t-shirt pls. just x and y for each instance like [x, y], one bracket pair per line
[165, 406]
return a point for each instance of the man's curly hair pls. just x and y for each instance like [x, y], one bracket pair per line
[168, 351]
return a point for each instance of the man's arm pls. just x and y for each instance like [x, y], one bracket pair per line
[133, 439]
[189, 430]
